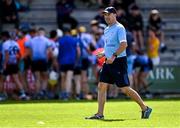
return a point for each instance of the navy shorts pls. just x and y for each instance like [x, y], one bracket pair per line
[143, 67]
[39, 65]
[115, 73]
[77, 70]
[11, 69]
[27, 63]
[66, 67]
[85, 64]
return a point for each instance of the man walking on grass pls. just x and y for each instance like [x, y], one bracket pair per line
[114, 70]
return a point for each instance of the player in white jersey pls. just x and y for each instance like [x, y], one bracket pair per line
[11, 55]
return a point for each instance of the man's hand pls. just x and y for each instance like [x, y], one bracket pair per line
[110, 60]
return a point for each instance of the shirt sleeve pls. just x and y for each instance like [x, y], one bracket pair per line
[49, 43]
[5, 47]
[121, 35]
[27, 44]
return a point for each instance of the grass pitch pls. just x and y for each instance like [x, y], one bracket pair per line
[118, 113]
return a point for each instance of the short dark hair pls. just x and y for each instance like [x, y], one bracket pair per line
[32, 30]
[41, 29]
[53, 34]
[134, 7]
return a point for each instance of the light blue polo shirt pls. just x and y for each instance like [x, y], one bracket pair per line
[39, 46]
[113, 36]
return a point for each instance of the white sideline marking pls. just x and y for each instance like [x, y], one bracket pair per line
[40, 122]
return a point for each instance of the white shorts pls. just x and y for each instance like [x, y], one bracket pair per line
[155, 61]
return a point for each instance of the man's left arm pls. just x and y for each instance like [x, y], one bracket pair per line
[122, 47]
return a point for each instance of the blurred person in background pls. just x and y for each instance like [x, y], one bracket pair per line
[121, 15]
[100, 37]
[99, 17]
[96, 35]
[22, 39]
[125, 4]
[68, 48]
[28, 74]
[40, 49]
[10, 14]
[53, 65]
[142, 66]
[11, 56]
[94, 26]
[64, 8]
[2, 92]
[130, 51]
[32, 33]
[1, 15]
[155, 21]
[85, 39]
[106, 3]
[153, 45]
[78, 65]
[55, 50]
[136, 25]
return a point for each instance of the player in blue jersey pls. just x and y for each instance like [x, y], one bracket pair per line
[40, 49]
[67, 59]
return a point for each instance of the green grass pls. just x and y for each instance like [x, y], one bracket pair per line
[118, 113]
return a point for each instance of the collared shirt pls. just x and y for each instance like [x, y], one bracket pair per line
[113, 36]
[39, 46]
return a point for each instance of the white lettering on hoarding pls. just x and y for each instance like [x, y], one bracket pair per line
[162, 74]
[169, 74]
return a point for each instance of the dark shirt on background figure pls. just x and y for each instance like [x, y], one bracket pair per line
[125, 4]
[1, 14]
[135, 19]
[64, 9]
[121, 16]
[10, 14]
[130, 41]
[99, 17]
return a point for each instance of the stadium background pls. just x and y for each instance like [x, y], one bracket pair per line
[165, 77]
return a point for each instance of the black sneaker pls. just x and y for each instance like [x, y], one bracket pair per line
[146, 113]
[95, 117]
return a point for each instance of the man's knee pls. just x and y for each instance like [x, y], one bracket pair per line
[102, 86]
[125, 90]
